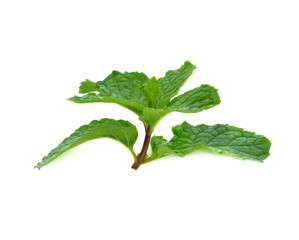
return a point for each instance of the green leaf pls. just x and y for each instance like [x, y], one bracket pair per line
[120, 130]
[220, 138]
[150, 91]
[93, 97]
[124, 86]
[170, 85]
[152, 116]
[159, 148]
[195, 100]
[88, 86]
[119, 88]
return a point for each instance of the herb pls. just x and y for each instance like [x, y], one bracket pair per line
[152, 99]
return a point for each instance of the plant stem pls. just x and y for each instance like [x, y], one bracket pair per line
[143, 152]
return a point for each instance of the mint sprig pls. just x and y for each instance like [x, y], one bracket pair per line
[152, 99]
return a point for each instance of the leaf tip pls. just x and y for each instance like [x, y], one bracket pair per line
[188, 63]
[73, 99]
[36, 166]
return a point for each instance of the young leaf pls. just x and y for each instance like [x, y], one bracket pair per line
[150, 91]
[195, 100]
[152, 116]
[220, 138]
[170, 85]
[119, 130]
[160, 148]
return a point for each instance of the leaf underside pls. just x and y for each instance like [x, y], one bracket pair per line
[119, 130]
[220, 138]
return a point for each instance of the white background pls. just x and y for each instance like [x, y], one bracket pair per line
[249, 50]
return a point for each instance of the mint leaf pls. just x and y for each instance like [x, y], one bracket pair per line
[119, 130]
[195, 100]
[124, 86]
[170, 85]
[160, 149]
[220, 138]
[88, 86]
[152, 116]
[119, 88]
[150, 91]
[93, 97]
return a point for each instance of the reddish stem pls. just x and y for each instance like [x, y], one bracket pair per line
[143, 152]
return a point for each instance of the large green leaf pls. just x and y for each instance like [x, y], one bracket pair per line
[219, 138]
[170, 85]
[120, 130]
[195, 100]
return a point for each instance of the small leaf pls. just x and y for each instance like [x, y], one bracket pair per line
[150, 91]
[160, 149]
[195, 100]
[120, 130]
[220, 138]
[152, 116]
[170, 85]
[88, 86]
